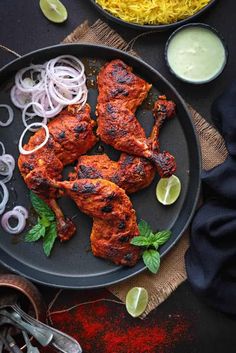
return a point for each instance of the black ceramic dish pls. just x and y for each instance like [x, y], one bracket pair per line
[189, 25]
[152, 27]
[71, 264]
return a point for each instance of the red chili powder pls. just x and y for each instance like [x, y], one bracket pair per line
[104, 327]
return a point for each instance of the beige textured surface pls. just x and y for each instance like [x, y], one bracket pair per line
[172, 272]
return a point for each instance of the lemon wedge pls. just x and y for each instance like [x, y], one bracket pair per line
[168, 190]
[136, 301]
[53, 10]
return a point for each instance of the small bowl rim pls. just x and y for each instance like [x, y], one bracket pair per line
[28, 289]
[212, 29]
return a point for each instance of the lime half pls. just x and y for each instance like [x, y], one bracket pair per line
[136, 301]
[168, 190]
[54, 10]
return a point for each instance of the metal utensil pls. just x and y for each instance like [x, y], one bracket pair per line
[30, 348]
[12, 344]
[8, 342]
[3, 333]
[61, 341]
[40, 334]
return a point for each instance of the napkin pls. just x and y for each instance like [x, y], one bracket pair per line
[211, 257]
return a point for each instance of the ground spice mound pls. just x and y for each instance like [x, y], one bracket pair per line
[105, 327]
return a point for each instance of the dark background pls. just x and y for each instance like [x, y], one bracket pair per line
[23, 28]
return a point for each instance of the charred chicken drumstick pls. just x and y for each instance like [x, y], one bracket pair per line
[114, 219]
[130, 173]
[120, 93]
[71, 134]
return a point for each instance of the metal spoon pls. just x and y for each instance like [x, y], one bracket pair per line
[30, 348]
[40, 334]
[61, 341]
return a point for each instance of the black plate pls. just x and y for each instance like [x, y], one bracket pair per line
[152, 27]
[71, 265]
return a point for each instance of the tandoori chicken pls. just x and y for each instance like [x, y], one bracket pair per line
[120, 93]
[130, 172]
[114, 219]
[71, 134]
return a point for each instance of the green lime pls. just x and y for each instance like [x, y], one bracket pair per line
[168, 190]
[136, 301]
[54, 10]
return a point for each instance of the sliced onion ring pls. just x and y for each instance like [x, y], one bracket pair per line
[10, 115]
[19, 98]
[22, 210]
[41, 114]
[21, 222]
[22, 150]
[8, 159]
[5, 197]
[3, 148]
[8, 174]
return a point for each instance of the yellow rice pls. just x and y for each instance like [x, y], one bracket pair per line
[152, 11]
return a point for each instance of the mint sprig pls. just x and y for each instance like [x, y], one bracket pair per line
[46, 226]
[150, 242]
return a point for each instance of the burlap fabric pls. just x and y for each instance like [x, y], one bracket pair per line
[172, 272]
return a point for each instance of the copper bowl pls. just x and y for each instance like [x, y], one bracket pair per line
[14, 284]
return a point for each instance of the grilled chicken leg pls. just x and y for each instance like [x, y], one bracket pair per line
[71, 134]
[120, 93]
[114, 219]
[130, 173]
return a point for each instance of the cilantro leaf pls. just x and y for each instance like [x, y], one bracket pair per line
[140, 241]
[144, 228]
[49, 238]
[35, 233]
[151, 258]
[41, 207]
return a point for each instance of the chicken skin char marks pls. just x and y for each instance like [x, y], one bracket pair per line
[130, 172]
[114, 219]
[71, 134]
[120, 93]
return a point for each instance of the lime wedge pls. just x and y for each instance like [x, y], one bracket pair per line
[54, 10]
[136, 301]
[168, 190]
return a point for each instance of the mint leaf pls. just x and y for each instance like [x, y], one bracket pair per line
[44, 221]
[140, 241]
[161, 238]
[144, 228]
[49, 238]
[35, 233]
[151, 258]
[41, 207]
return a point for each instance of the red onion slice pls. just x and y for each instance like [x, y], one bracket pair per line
[23, 85]
[50, 87]
[10, 159]
[22, 210]
[5, 197]
[8, 173]
[22, 150]
[19, 98]
[3, 148]
[17, 215]
[10, 115]
[31, 115]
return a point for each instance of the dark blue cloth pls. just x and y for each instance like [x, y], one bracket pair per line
[211, 258]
